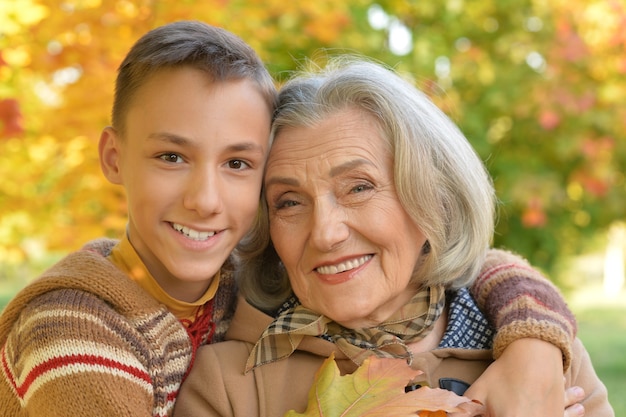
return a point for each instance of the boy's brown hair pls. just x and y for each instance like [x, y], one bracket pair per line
[221, 54]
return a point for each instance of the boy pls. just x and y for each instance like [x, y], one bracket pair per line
[188, 143]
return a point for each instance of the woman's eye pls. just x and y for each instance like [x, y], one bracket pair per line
[283, 204]
[288, 203]
[171, 157]
[360, 188]
[237, 164]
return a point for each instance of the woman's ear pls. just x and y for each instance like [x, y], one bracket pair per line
[110, 155]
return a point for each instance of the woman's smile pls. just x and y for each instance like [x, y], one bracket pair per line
[343, 271]
[343, 266]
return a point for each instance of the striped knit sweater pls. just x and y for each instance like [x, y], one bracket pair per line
[86, 340]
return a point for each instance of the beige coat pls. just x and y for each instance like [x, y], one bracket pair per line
[217, 385]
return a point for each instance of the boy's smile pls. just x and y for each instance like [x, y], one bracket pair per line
[191, 162]
[193, 234]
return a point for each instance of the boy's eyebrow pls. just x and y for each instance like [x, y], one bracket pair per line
[168, 137]
[246, 146]
[182, 141]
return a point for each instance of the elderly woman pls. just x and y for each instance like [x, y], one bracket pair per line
[382, 215]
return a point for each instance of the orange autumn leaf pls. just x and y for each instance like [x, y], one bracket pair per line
[11, 123]
[377, 388]
[438, 413]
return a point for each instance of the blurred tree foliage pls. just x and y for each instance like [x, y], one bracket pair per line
[537, 86]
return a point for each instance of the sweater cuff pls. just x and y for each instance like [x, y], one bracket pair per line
[529, 328]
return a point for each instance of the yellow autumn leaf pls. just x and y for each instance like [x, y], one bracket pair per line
[377, 389]
[16, 14]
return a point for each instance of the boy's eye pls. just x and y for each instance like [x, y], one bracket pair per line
[171, 157]
[237, 164]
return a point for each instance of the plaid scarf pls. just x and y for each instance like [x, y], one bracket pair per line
[389, 339]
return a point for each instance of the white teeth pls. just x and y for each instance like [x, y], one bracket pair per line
[344, 266]
[192, 234]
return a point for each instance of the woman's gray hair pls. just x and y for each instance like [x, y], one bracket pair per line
[440, 180]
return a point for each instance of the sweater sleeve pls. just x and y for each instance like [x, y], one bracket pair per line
[520, 302]
[70, 354]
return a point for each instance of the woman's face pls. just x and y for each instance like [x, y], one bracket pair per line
[347, 243]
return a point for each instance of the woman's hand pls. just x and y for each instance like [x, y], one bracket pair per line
[527, 379]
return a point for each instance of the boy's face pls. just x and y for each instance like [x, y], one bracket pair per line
[191, 163]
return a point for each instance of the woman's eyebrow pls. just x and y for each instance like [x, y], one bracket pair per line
[282, 180]
[349, 165]
[334, 171]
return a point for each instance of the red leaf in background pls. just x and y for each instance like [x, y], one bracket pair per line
[591, 182]
[596, 186]
[621, 64]
[549, 119]
[533, 215]
[10, 118]
[570, 46]
[586, 101]
[597, 148]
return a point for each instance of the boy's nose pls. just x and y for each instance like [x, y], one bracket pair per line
[204, 194]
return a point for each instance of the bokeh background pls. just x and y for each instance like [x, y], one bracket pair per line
[537, 86]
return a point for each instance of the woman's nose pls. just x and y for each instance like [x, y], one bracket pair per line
[329, 228]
